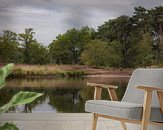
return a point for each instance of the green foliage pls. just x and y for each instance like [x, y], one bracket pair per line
[59, 51]
[74, 73]
[96, 53]
[118, 29]
[34, 52]
[38, 54]
[20, 99]
[26, 39]
[115, 53]
[22, 48]
[99, 53]
[4, 72]
[145, 55]
[122, 35]
[19, 73]
[67, 48]
[8, 126]
[128, 31]
[9, 50]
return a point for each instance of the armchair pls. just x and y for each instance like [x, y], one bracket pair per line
[138, 107]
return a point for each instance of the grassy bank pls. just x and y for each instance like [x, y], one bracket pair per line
[21, 71]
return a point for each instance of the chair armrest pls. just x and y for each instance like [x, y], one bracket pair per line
[149, 88]
[148, 101]
[102, 86]
[98, 90]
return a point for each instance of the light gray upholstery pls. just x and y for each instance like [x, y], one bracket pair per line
[124, 110]
[115, 108]
[147, 77]
[132, 103]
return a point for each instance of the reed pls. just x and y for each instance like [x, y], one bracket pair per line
[50, 71]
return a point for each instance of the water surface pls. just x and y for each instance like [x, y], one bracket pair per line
[60, 95]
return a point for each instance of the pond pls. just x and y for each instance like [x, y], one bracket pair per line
[60, 95]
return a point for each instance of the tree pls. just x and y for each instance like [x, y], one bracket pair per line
[115, 54]
[67, 48]
[125, 37]
[38, 54]
[145, 55]
[140, 19]
[96, 53]
[9, 51]
[60, 54]
[117, 29]
[161, 40]
[128, 31]
[156, 16]
[26, 39]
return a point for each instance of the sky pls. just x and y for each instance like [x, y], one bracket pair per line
[49, 18]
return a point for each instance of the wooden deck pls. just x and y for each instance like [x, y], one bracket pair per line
[60, 121]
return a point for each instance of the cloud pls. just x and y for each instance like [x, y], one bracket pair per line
[148, 3]
[52, 17]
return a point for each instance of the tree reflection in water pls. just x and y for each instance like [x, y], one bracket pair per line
[60, 95]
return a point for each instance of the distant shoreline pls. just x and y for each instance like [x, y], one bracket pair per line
[108, 76]
[55, 71]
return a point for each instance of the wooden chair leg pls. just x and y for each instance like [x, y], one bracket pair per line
[160, 98]
[114, 97]
[97, 96]
[124, 125]
[146, 110]
[94, 122]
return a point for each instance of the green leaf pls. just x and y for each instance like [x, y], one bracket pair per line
[20, 99]
[8, 126]
[4, 72]
[2, 83]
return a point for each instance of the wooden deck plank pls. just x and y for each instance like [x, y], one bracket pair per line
[59, 121]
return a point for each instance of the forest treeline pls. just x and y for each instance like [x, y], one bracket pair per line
[126, 41]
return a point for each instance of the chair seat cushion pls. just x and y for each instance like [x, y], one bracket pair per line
[131, 111]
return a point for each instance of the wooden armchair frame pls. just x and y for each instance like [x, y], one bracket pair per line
[146, 107]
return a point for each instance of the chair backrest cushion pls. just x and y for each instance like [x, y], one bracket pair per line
[147, 77]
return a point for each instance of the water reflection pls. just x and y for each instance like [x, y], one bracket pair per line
[60, 95]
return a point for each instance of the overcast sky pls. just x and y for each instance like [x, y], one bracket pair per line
[52, 17]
